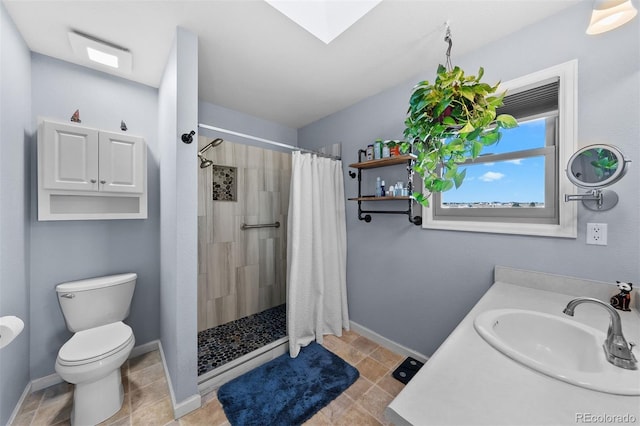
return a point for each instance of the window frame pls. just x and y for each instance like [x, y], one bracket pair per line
[566, 144]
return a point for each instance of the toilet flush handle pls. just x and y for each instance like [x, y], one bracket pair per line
[68, 295]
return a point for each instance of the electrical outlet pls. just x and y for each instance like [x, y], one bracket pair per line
[597, 234]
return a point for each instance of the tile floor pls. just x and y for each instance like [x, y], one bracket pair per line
[147, 401]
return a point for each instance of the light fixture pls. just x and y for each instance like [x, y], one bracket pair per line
[102, 57]
[94, 51]
[610, 14]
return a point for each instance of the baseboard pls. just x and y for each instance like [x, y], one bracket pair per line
[144, 348]
[186, 405]
[387, 343]
[25, 393]
[45, 382]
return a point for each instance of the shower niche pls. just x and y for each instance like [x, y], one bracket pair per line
[224, 183]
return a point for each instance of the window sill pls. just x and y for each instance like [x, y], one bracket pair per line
[566, 230]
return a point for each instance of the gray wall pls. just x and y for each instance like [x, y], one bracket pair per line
[218, 116]
[71, 250]
[15, 128]
[178, 112]
[425, 281]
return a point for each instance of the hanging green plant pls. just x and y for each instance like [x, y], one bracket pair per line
[449, 122]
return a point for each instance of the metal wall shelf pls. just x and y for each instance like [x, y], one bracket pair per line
[365, 215]
[370, 198]
[383, 162]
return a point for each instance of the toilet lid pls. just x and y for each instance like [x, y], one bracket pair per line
[95, 343]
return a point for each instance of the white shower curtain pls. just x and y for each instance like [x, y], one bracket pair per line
[316, 252]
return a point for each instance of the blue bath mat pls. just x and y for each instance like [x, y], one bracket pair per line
[287, 391]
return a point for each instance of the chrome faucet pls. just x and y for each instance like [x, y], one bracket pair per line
[616, 348]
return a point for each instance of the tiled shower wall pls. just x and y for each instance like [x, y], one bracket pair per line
[241, 272]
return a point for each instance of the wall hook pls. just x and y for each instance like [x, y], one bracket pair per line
[449, 40]
[123, 126]
[188, 137]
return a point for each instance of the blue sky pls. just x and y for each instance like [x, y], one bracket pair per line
[520, 180]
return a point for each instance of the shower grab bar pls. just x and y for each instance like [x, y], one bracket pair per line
[261, 225]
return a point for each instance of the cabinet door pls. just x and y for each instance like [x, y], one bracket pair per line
[122, 163]
[69, 157]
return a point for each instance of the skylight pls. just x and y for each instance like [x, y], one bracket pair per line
[325, 19]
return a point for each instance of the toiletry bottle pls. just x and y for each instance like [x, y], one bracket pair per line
[377, 150]
[369, 152]
[378, 187]
[382, 192]
[386, 153]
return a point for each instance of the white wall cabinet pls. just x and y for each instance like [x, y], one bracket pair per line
[121, 163]
[70, 157]
[86, 173]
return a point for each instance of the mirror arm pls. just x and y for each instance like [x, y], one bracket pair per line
[594, 195]
[596, 199]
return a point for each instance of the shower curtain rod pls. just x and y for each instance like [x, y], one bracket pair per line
[267, 141]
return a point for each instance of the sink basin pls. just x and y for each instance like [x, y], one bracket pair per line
[561, 348]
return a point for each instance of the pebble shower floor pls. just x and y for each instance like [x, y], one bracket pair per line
[224, 343]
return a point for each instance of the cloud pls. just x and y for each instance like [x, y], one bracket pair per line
[517, 162]
[491, 176]
[488, 164]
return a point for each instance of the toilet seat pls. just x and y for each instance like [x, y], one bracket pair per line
[95, 344]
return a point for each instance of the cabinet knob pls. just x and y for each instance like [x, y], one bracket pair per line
[103, 182]
[93, 181]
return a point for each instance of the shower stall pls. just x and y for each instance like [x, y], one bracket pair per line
[243, 199]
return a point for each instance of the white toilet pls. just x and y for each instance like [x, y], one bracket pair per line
[94, 309]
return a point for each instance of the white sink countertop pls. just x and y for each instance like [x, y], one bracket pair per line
[468, 382]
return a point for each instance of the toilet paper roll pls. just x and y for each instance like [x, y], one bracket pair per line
[10, 327]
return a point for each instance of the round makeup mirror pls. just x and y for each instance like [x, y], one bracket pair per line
[596, 166]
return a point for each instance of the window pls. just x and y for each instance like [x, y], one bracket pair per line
[514, 180]
[517, 185]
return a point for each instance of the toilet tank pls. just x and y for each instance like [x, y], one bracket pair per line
[97, 301]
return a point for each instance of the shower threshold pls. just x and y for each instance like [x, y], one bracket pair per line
[236, 368]
[230, 349]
